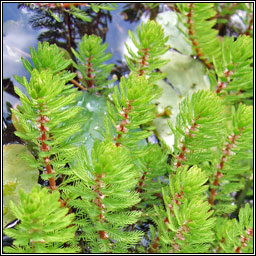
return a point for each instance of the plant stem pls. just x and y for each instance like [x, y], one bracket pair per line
[90, 75]
[50, 171]
[73, 81]
[191, 33]
[144, 61]
[226, 152]
[42, 120]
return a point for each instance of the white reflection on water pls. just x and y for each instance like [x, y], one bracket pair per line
[16, 43]
[18, 37]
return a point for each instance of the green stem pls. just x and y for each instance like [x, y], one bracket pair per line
[241, 198]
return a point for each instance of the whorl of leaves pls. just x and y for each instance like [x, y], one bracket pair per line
[150, 44]
[45, 227]
[91, 56]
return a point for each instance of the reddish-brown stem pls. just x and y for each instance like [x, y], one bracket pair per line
[90, 75]
[99, 203]
[244, 240]
[183, 228]
[221, 85]
[226, 153]
[155, 246]
[42, 120]
[219, 247]
[144, 61]
[179, 236]
[50, 171]
[191, 33]
[140, 184]
[143, 64]
[181, 157]
[120, 128]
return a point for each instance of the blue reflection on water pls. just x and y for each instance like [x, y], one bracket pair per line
[118, 34]
[19, 36]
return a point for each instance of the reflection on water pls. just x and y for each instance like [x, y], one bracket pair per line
[24, 26]
[18, 37]
[66, 33]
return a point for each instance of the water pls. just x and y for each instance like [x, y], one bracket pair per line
[19, 36]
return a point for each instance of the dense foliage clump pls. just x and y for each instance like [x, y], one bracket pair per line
[97, 198]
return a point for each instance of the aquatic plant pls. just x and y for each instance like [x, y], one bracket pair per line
[97, 199]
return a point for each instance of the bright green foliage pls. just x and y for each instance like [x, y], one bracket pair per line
[234, 70]
[119, 185]
[42, 116]
[78, 13]
[199, 128]
[44, 224]
[96, 7]
[134, 100]
[232, 59]
[104, 6]
[232, 76]
[153, 165]
[102, 193]
[237, 149]
[82, 14]
[185, 225]
[236, 236]
[91, 55]
[47, 57]
[200, 24]
[150, 46]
